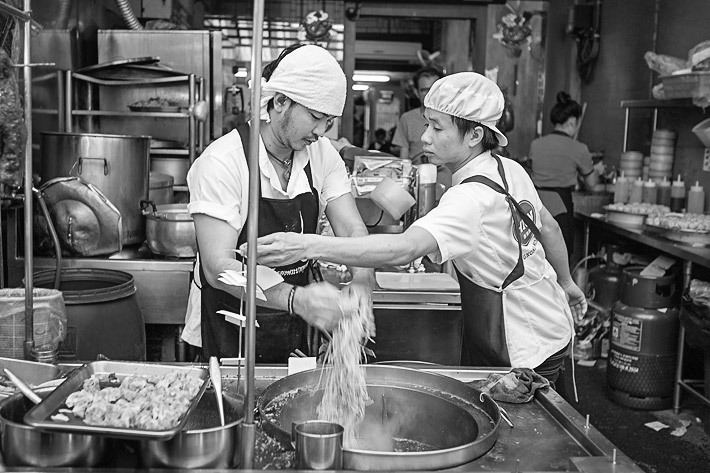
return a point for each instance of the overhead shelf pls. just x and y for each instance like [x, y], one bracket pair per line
[652, 103]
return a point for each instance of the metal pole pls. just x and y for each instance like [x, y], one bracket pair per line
[248, 426]
[29, 270]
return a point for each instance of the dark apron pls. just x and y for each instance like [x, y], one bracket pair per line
[278, 333]
[565, 220]
[484, 325]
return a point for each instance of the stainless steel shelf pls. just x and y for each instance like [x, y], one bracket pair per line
[117, 113]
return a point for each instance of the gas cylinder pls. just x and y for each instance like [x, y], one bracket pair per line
[642, 356]
[606, 279]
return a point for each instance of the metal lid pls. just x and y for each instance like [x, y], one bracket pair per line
[161, 180]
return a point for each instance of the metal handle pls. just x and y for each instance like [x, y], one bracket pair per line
[97, 159]
[22, 386]
[148, 203]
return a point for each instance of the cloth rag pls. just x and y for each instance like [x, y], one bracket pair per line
[516, 387]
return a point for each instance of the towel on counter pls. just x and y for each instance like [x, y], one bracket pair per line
[310, 76]
[517, 387]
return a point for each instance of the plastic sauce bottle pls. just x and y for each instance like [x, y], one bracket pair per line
[678, 195]
[663, 193]
[621, 189]
[696, 199]
[426, 193]
[649, 192]
[636, 191]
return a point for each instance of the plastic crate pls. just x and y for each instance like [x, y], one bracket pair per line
[683, 86]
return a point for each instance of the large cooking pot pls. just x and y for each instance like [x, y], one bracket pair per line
[203, 442]
[23, 445]
[453, 423]
[118, 165]
[170, 230]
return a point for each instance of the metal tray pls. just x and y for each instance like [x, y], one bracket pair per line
[40, 415]
[687, 237]
[31, 372]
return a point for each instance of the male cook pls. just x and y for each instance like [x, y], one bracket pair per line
[301, 174]
[508, 251]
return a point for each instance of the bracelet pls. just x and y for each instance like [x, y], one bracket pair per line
[291, 295]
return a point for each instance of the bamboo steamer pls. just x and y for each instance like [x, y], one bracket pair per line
[661, 166]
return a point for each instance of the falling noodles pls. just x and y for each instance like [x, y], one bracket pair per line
[344, 387]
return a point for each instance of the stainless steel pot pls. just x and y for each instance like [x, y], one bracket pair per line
[203, 443]
[176, 166]
[170, 230]
[118, 165]
[23, 445]
[160, 190]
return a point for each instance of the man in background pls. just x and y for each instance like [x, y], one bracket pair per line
[411, 125]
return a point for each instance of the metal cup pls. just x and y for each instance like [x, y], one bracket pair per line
[319, 445]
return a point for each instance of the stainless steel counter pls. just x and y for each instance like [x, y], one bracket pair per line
[548, 434]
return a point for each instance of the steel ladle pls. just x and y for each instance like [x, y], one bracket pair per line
[23, 387]
[216, 377]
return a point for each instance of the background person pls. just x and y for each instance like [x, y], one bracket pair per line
[301, 174]
[411, 125]
[517, 293]
[557, 161]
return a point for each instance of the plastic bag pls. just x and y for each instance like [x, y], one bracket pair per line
[49, 317]
[663, 64]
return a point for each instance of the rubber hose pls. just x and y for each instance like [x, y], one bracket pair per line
[55, 238]
[128, 16]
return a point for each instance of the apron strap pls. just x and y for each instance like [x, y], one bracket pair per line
[515, 208]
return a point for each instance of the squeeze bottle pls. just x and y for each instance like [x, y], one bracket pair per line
[663, 193]
[636, 191]
[678, 195]
[696, 199]
[649, 192]
[621, 189]
[426, 192]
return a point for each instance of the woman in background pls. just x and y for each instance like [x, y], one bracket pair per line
[558, 160]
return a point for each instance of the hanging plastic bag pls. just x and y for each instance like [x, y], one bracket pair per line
[50, 320]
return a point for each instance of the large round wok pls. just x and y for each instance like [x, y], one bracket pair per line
[455, 423]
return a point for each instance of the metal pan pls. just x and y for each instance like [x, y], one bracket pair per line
[457, 420]
[41, 415]
[31, 372]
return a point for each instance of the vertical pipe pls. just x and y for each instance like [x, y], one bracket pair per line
[68, 102]
[248, 426]
[29, 259]
[191, 119]
[61, 102]
[680, 351]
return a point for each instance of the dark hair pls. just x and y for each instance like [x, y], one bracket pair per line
[269, 69]
[564, 109]
[426, 72]
[490, 139]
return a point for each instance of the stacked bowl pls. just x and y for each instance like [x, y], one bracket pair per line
[662, 153]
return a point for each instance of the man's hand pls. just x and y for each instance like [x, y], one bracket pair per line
[577, 300]
[361, 294]
[319, 304]
[279, 249]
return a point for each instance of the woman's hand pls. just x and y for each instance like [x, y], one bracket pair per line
[576, 298]
[278, 249]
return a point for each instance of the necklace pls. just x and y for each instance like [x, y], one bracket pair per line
[285, 163]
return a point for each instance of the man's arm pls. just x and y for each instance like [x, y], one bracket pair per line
[556, 252]
[317, 304]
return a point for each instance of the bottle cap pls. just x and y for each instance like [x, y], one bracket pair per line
[697, 187]
[649, 183]
[638, 181]
[664, 182]
[678, 182]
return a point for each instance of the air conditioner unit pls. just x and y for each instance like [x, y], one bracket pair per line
[387, 50]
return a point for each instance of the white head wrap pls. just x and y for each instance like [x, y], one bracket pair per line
[310, 76]
[470, 96]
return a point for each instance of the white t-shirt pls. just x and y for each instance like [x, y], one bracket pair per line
[219, 187]
[472, 226]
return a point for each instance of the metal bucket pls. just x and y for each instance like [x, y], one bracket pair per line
[170, 230]
[23, 445]
[452, 423]
[119, 165]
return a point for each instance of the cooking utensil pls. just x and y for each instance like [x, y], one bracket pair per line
[420, 407]
[170, 230]
[216, 378]
[23, 387]
[42, 415]
[23, 445]
[31, 372]
[203, 443]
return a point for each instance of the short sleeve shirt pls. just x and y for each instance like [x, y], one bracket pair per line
[410, 129]
[472, 226]
[219, 179]
[557, 160]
